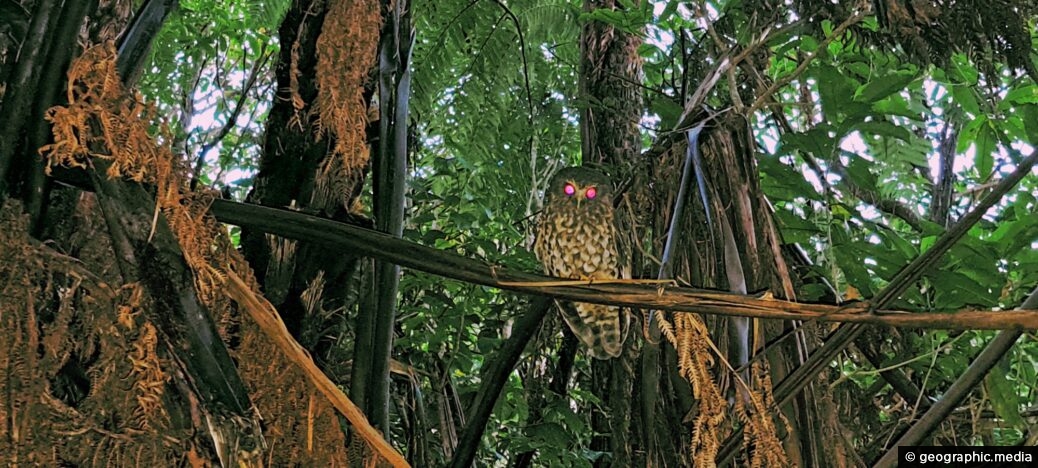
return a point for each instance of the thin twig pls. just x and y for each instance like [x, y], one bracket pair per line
[763, 98]
[522, 54]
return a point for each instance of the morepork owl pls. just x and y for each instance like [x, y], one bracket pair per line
[576, 239]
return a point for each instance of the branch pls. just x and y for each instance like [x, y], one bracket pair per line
[355, 240]
[21, 88]
[886, 205]
[522, 53]
[136, 42]
[763, 98]
[374, 347]
[987, 359]
[500, 368]
[267, 318]
[232, 119]
[844, 335]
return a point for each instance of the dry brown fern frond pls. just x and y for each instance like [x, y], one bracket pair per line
[150, 380]
[690, 338]
[346, 52]
[71, 400]
[759, 432]
[105, 121]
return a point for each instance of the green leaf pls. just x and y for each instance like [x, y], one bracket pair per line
[794, 227]
[861, 69]
[1015, 128]
[815, 142]
[835, 89]
[808, 44]
[1027, 94]
[884, 128]
[896, 105]
[859, 172]
[986, 140]
[1015, 235]
[551, 433]
[1030, 112]
[668, 10]
[1005, 401]
[782, 182]
[961, 71]
[668, 110]
[963, 95]
[969, 133]
[883, 86]
[955, 290]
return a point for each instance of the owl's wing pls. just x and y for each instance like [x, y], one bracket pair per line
[596, 326]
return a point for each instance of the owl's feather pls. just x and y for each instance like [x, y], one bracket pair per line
[595, 325]
[576, 239]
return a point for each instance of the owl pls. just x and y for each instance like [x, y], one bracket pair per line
[576, 238]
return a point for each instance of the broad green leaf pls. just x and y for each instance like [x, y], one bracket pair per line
[955, 290]
[1030, 112]
[795, 228]
[961, 71]
[964, 98]
[808, 44]
[1003, 395]
[782, 182]
[858, 171]
[668, 10]
[554, 433]
[839, 211]
[1015, 128]
[668, 110]
[969, 133]
[1015, 235]
[815, 142]
[986, 140]
[1027, 94]
[835, 89]
[880, 87]
[859, 68]
[896, 105]
[884, 128]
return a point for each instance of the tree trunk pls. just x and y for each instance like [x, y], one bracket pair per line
[610, 69]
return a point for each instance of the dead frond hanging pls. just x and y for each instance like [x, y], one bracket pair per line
[105, 121]
[346, 52]
[690, 338]
[759, 431]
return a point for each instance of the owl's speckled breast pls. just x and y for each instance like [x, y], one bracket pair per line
[576, 241]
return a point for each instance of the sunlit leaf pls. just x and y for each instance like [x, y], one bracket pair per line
[880, 87]
[965, 98]
[985, 141]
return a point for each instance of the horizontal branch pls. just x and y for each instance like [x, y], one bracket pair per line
[358, 241]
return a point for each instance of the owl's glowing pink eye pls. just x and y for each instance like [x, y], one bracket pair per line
[569, 189]
[590, 193]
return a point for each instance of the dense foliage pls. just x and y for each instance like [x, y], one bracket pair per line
[868, 150]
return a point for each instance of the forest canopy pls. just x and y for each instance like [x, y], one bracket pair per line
[302, 232]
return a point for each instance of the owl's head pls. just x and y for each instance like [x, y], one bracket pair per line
[579, 185]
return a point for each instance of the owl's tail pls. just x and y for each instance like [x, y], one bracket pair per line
[597, 326]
